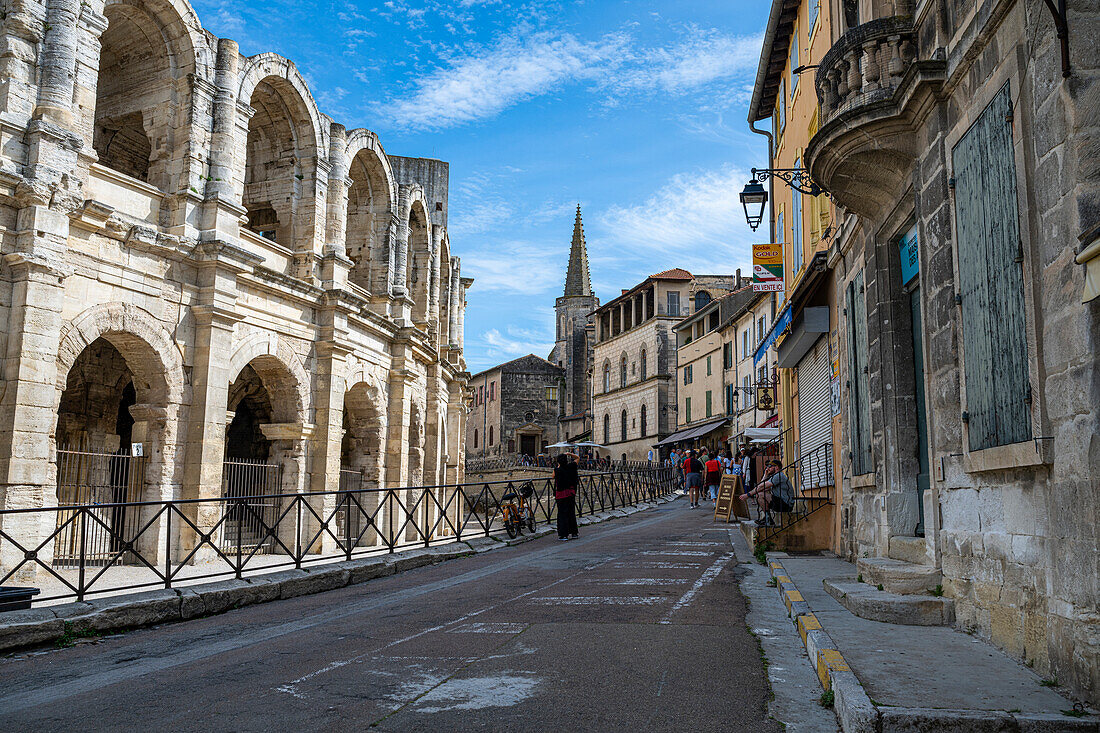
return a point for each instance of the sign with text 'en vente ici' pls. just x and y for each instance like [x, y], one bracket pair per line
[767, 268]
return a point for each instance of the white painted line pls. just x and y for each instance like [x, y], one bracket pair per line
[488, 628]
[708, 575]
[601, 600]
[638, 581]
[679, 553]
[656, 565]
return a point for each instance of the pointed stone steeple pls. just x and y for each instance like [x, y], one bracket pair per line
[577, 281]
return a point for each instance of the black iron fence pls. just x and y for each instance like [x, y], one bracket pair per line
[108, 484]
[812, 480]
[504, 463]
[172, 543]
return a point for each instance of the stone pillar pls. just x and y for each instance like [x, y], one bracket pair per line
[150, 427]
[464, 285]
[338, 183]
[401, 244]
[288, 450]
[23, 28]
[433, 283]
[229, 133]
[57, 62]
[398, 415]
[28, 406]
[455, 304]
[331, 386]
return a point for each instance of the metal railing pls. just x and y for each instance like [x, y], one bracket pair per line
[811, 477]
[482, 465]
[189, 540]
[107, 483]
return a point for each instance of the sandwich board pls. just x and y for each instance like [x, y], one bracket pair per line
[730, 504]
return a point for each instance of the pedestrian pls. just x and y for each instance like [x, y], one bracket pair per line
[774, 493]
[693, 478]
[566, 481]
[713, 476]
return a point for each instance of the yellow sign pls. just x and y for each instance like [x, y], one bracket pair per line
[767, 268]
[765, 398]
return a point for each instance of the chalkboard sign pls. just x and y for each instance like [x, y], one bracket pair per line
[729, 503]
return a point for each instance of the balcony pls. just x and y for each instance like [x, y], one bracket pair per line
[874, 91]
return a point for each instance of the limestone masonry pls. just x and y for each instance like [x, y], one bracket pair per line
[203, 269]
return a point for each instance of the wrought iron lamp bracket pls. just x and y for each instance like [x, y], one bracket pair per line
[797, 178]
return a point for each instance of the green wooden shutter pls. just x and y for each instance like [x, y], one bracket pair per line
[859, 398]
[991, 280]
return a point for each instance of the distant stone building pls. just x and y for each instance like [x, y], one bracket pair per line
[516, 408]
[634, 381]
[573, 345]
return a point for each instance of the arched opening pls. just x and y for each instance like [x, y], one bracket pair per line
[642, 422]
[623, 425]
[622, 371]
[419, 281]
[262, 411]
[642, 365]
[475, 438]
[607, 376]
[368, 222]
[279, 163]
[134, 96]
[606, 429]
[103, 412]
[361, 452]
[702, 298]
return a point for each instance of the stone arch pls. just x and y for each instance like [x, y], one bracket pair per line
[286, 140]
[370, 214]
[606, 375]
[419, 282]
[623, 367]
[144, 342]
[643, 363]
[282, 373]
[147, 47]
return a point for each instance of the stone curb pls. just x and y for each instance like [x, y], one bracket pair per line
[851, 704]
[858, 714]
[38, 626]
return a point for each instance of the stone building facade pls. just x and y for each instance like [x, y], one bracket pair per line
[958, 142]
[634, 359]
[574, 337]
[516, 408]
[198, 260]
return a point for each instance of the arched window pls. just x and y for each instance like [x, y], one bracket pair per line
[607, 376]
[622, 372]
[701, 299]
[643, 364]
[490, 436]
[624, 424]
[475, 437]
[643, 426]
[606, 429]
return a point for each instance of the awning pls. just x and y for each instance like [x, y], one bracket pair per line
[780, 325]
[759, 435]
[692, 433]
[676, 437]
[707, 429]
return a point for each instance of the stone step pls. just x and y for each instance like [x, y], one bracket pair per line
[868, 602]
[898, 576]
[909, 549]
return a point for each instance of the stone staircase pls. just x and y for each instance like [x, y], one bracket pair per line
[900, 589]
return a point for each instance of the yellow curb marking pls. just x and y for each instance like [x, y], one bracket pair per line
[806, 624]
[782, 579]
[830, 660]
[791, 596]
[776, 566]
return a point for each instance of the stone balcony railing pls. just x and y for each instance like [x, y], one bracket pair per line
[873, 89]
[866, 65]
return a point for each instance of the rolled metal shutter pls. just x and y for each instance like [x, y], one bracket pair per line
[815, 415]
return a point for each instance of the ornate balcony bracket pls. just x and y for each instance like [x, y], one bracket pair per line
[873, 91]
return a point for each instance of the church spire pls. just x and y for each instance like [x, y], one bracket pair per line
[577, 281]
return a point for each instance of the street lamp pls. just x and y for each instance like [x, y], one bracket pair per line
[754, 196]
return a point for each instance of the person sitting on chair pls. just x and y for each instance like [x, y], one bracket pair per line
[773, 493]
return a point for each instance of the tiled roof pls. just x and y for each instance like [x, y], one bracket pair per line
[676, 273]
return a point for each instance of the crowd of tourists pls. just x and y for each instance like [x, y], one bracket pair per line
[703, 470]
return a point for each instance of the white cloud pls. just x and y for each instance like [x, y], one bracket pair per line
[517, 268]
[523, 66]
[496, 347]
[694, 221]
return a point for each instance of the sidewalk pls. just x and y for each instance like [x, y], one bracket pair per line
[926, 677]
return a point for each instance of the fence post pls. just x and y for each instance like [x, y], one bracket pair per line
[347, 524]
[298, 532]
[240, 522]
[83, 541]
[168, 546]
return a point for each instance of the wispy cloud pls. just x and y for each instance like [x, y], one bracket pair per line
[692, 221]
[517, 268]
[493, 346]
[521, 66]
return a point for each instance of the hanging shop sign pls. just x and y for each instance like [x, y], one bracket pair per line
[765, 398]
[767, 268]
[910, 257]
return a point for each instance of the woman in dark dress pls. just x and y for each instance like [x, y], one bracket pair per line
[566, 481]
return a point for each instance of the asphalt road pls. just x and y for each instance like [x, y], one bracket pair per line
[638, 625]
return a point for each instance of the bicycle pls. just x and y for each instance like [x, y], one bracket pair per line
[515, 517]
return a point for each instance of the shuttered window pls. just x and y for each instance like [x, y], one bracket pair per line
[859, 400]
[991, 280]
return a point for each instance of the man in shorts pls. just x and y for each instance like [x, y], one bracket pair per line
[773, 493]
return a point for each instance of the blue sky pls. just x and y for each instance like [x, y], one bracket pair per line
[634, 109]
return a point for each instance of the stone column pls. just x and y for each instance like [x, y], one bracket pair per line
[456, 299]
[329, 434]
[398, 415]
[23, 28]
[57, 62]
[433, 282]
[229, 133]
[150, 426]
[464, 285]
[401, 245]
[338, 183]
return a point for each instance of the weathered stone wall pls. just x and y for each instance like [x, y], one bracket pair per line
[1014, 528]
[224, 249]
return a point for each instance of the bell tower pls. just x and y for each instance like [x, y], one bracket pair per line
[573, 346]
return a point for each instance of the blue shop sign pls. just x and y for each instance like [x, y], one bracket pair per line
[910, 258]
[778, 327]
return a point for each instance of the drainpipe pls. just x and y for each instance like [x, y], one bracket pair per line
[771, 179]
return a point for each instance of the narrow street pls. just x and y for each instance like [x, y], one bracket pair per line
[638, 625]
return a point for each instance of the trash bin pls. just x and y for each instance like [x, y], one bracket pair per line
[16, 599]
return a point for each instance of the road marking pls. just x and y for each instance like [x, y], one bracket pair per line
[638, 581]
[708, 575]
[656, 565]
[679, 553]
[475, 693]
[600, 600]
[488, 628]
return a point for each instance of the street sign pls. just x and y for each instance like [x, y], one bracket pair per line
[765, 398]
[729, 503]
[910, 255]
[767, 268]
[137, 450]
